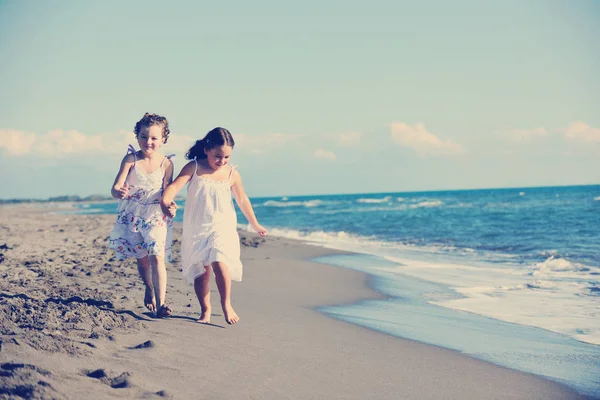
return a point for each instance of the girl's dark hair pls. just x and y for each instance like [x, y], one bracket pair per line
[149, 120]
[214, 138]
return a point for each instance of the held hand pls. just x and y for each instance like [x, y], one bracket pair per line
[123, 191]
[173, 209]
[260, 230]
[169, 209]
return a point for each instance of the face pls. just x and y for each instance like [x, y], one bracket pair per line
[218, 156]
[150, 138]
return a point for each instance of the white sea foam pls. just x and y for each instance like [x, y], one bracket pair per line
[384, 208]
[433, 203]
[307, 203]
[370, 200]
[370, 245]
[597, 198]
[339, 240]
[555, 295]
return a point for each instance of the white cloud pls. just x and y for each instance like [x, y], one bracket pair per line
[59, 143]
[348, 138]
[524, 134]
[423, 142]
[581, 131]
[16, 143]
[178, 145]
[325, 154]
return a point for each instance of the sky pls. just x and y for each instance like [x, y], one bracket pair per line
[322, 97]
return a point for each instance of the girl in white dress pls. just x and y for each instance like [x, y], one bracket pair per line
[142, 230]
[210, 239]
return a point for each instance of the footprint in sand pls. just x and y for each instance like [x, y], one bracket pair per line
[98, 374]
[146, 345]
[118, 382]
[123, 381]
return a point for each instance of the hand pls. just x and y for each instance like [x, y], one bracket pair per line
[169, 209]
[123, 191]
[173, 209]
[260, 230]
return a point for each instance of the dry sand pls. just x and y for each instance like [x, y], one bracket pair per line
[73, 326]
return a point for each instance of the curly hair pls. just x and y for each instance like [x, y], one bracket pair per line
[214, 138]
[149, 120]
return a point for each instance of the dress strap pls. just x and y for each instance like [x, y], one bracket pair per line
[196, 169]
[167, 158]
[131, 150]
[231, 172]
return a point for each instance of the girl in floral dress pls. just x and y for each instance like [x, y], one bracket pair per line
[142, 230]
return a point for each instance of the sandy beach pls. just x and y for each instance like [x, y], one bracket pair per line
[73, 326]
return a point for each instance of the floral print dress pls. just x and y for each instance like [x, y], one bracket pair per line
[141, 228]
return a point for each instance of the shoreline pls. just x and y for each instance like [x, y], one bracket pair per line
[283, 347]
[525, 348]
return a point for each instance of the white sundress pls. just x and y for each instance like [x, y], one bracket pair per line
[141, 228]
[209, 228]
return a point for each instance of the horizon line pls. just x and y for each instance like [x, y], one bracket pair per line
[107, 198]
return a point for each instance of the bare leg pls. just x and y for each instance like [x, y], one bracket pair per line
[202, 288]
[143, 265]
[223, 280]
[159, 279]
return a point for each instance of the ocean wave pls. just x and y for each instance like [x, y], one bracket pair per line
[533, 285]
[370, 200]
[339, 240]
[307, 203]
[343, 240]
[383, 208]
[549, 253]
[597, 198]
[553, 302]
[561, 307]
[561, 266]
[433, 203]
[461, 205]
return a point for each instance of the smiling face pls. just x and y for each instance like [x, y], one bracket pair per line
[218, 156]
[150, 139]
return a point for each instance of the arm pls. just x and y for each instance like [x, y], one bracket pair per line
[167, 203]
[243, 202]
[119, 189]
[168, 178]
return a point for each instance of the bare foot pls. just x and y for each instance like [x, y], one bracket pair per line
[164, 311]
[204, 317]
[230, 315]
[149, 300]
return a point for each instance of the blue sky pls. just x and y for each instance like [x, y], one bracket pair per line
[321, 96]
